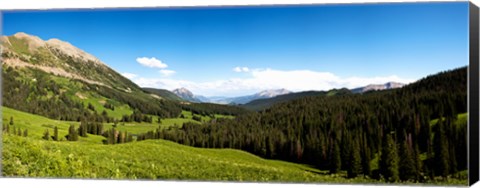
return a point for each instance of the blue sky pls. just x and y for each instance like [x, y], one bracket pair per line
[233, 51]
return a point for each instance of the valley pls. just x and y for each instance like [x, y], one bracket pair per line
[392, 133]
[143, 160]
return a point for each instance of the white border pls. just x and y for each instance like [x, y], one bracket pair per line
[89, 4]
[62, 4]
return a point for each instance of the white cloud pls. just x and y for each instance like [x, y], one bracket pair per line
[129, 75]
[241, 69]
[166, 72]
[261, 79]
[151, 62]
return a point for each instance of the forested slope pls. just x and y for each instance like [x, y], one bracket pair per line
[348, 132]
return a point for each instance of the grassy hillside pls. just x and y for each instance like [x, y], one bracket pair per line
[37, 125]
[461, 119]
[151, 159]
[163, 93]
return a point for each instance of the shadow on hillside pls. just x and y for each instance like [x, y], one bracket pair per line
[316, 172]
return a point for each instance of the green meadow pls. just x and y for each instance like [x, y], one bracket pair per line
[32, 156]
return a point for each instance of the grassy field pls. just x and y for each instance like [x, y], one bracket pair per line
[461, 118]
[188, 115]
[135, 127]
[38, 124]
[97, 102]
[151, 159]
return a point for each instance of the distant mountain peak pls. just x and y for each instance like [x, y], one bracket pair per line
[375, 87]
[272, 92]
[189, 96]
[391, 85]
[185, 94]
[182, 90]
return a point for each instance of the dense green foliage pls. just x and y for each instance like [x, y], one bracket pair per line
[33, 96]
[140, 101]
[390, 123]
[209, 109]
[262, 104]
[159, 159]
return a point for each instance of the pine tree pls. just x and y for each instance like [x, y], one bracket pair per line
[389, 160]
[84, 130]
[11, 120]
[366, 158]
[418, 161]
[72, 134]
[99, 129]
[336, 161]
[121, 137]
[298, 150]
[55, 133]
[355, 161]
[441, 150]
[19, 132]
[112, 139]
[452, 148]
[345, 150]
[6, 128]
[25, 133]
[75, 134]
[407, 170]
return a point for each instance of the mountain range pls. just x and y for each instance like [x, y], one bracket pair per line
[82, 77]
[187, 95]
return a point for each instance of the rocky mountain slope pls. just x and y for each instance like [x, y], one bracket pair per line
[186, 94]
[60, 58]
[376, 87]
[54, 78]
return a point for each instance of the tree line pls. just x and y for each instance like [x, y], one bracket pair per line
[210, 109]
[395, 127]
[9, 128]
